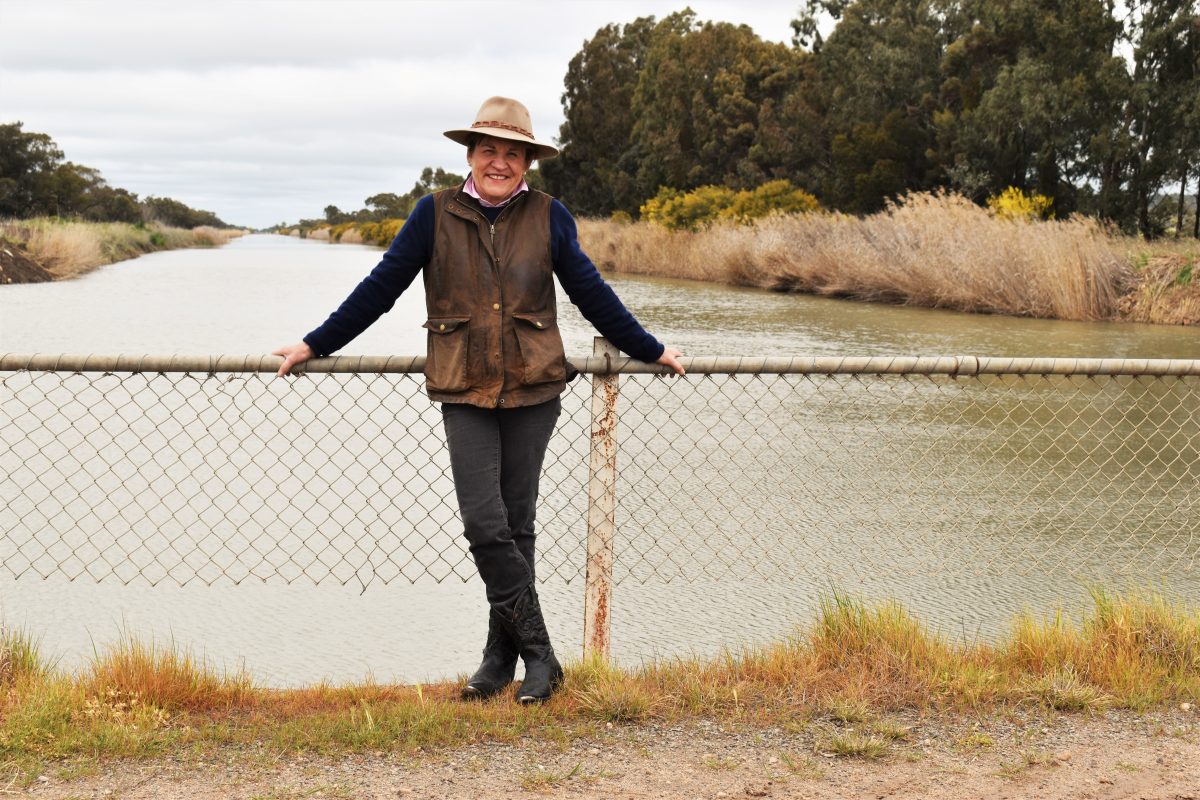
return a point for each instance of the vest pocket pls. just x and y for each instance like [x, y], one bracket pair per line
[446, 354]
[542, 356]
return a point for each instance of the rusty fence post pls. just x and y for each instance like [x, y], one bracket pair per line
[602, 503]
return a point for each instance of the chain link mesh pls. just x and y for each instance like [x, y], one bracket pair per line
[192, 477]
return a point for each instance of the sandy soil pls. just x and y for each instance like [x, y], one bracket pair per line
[1109, 756]
[17, 267]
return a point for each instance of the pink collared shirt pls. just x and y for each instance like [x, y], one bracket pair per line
[470, 189]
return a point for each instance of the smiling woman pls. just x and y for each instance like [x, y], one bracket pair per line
[500, 149]
[497, 167]
[488, 252]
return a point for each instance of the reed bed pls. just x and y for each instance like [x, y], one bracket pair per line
[855, 663]
[1167, 283]
[935, 250]
[68, 249]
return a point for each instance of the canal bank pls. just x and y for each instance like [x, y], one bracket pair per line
[46, 249]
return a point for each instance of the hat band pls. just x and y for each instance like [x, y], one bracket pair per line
[505, 126]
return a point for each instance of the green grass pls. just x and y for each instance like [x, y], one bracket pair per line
[856, 745]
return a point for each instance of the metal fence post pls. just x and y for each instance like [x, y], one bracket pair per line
[602, 502]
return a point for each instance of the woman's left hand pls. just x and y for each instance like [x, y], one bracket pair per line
[670, 358]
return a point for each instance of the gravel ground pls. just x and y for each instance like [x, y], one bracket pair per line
[1016, 755]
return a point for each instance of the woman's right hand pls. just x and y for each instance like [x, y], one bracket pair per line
[293, 354]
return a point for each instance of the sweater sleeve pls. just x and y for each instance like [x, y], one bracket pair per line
[408, 254]
[588, 291]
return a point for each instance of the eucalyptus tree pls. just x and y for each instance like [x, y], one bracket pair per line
[700, 102]
[1161, 126]
[593, 173]
[28, 162]
[878, 82]
[679, 103]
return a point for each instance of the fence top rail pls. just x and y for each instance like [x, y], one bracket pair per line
[698, 365]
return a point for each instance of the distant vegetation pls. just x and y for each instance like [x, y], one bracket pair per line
[378, 221]
[1000, 157]
[929, 250]
[1094, 108]
[35, 181]
[1075, 108]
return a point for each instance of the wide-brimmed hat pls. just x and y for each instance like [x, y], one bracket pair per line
[504, 118]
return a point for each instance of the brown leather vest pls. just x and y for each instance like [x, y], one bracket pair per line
[489, 290]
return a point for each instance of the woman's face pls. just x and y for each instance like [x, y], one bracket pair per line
[497, 165]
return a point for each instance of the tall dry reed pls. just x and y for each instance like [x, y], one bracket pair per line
[940, 251]
[69, 248]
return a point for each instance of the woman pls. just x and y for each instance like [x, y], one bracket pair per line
[486, 251]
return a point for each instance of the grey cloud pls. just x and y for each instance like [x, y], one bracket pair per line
[262, 111]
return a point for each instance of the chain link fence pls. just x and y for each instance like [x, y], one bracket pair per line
[212, 470]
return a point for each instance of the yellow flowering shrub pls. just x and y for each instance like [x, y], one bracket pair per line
[380, 233]
[773, 197]
[677, 210]
[1014, 204]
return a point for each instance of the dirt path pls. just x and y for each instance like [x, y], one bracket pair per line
[1155, 757]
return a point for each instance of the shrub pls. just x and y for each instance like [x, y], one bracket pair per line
[699, 208]
[335, 233]
[687, 211]
[773, 197]
[1014, 204]
[380, 233]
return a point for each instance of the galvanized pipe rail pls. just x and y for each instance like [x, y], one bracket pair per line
[605, 365]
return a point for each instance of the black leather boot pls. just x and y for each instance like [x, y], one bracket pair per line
[543, 673]
[499, 662]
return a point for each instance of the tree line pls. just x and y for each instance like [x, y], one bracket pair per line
[36, 181]
[1090, 104]
[385, 205]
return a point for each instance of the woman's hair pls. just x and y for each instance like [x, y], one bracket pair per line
[474, 139]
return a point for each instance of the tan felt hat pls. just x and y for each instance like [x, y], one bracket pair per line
[504, 118]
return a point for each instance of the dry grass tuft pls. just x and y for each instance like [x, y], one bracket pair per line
[856, 745]
[165, 678]
[20, 659]
[1167, 285]
[1135, 650]
[604, 692]
[930, 250]
[1063, 690]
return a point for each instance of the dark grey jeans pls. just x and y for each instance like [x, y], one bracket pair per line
[496, 457]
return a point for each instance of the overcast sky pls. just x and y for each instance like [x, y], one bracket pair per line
[265, 111]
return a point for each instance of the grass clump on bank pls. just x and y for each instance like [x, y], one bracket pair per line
[935, 250]
[853, 665]
[67, 249]
[379, 233]
[1166, 281]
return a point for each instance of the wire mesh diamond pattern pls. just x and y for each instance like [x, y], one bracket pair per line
[194, 477]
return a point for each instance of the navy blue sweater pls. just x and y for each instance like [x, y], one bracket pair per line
[412, 249]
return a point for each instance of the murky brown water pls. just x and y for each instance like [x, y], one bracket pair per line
[260, 292]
